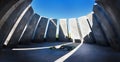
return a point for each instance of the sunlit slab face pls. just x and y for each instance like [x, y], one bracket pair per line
[62, 8]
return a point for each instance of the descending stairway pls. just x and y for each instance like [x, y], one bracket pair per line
[26, 36]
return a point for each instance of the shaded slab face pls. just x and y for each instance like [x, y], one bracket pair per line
[110, 13]
[98, 32]
[5, 5]
[39, 34]
[10, 21]
[112, 8]
[104, 21]
[51, 32]
[94, 53]
[16, 36]
[63, 30]
[74, 30]
[85, 29]
[27, 36]
[9, 11]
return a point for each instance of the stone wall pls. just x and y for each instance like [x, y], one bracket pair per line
[20, 25]
[12, 13]
[40, 32]
[107, 15]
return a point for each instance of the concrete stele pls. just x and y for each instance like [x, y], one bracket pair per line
[74, 29]
[51, 33]
[15, 26]
[84, 26]
[63, 30]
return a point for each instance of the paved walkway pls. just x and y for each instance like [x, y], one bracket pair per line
[94, 53]
[86, 53]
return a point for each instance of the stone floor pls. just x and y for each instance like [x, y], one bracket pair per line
[86, 53]
[94, 53]
[39, 55]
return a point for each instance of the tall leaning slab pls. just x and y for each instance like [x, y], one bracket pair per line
[85, 29]
[29, 32]
[5, 6]
[15, 39]
[75, 35]
[97, 30]
[63, 30]
[40, 31]
[13, 15]
[106, 25]
[51, 32]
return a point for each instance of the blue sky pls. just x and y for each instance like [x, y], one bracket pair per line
[62, 8]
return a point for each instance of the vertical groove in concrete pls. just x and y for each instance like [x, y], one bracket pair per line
[74, 30]
[51, 33]
[27, 36]
[11, 20]
[79, 29]
[46, 29]
[92, 35]
[57, 30]
[85, 29]
[39, 35]
[63, 30]
[34, 32]
[18, 28]
[68, 28]
[5, 5]
[7, 14]
[111, 11]
[106, 26]
[26, 26]
[99, 33]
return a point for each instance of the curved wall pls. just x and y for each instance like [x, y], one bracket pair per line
[20, 25]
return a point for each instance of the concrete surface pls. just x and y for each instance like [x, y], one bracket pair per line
[101, 28]
[39, 34]
[20, 28]
[51, 32]
[28, 34]
[97, 30]
[94, 53]
[73, 24]
[63, 30]
[7, 26]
